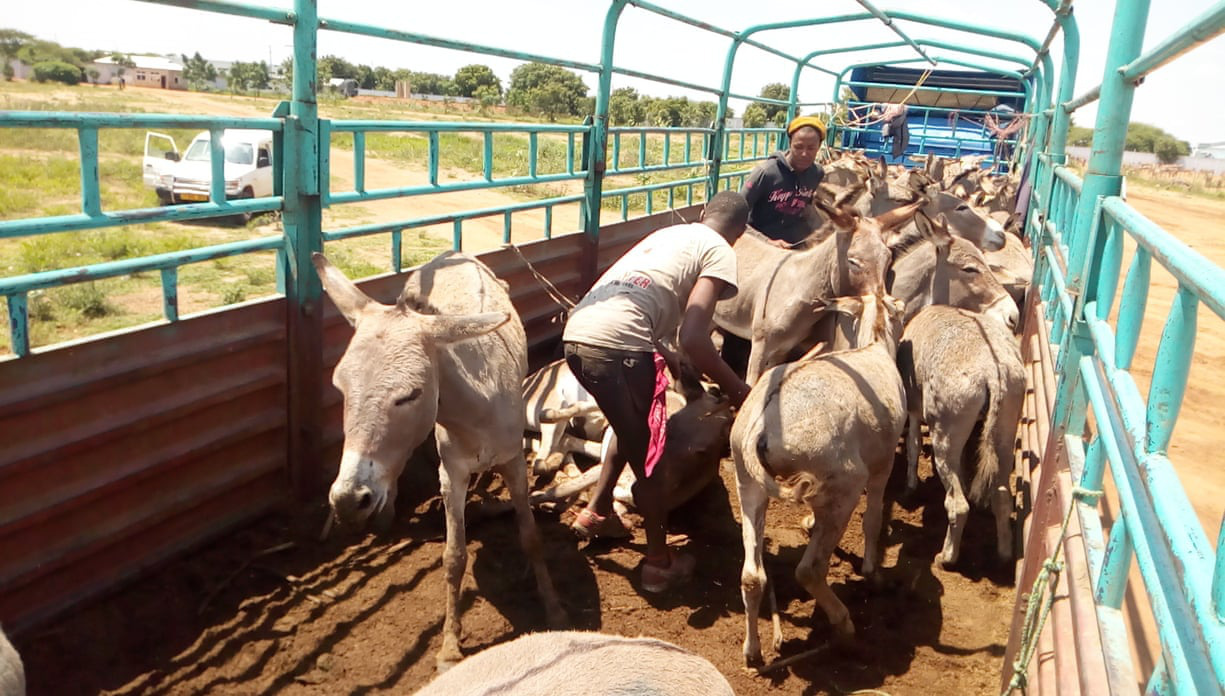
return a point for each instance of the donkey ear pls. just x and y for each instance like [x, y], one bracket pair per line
[450, 329]
[345, 295]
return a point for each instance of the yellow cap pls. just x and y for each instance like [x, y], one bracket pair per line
[800, 121]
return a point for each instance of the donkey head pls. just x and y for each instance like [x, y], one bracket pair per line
[389, 378]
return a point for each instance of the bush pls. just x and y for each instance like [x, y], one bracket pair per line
[88, 299]
[1167, 150]
[57, 71]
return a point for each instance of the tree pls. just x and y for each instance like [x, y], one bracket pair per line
[432, 83]
[625, 108]
[11, 42]
[1167, 150]
[1080, 137]
[471, 78]
[384, 79]
[365, 77]
[780, 92]
[547, 89]
[287, 70]
[755, 115]
[198, 72]
[488, 96]
[57, 71]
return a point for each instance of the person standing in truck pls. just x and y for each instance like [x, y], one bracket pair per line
[667, 283]
[780, 189]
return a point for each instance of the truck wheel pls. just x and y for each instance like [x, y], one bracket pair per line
[244, 218]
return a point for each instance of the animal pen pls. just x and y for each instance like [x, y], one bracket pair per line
[101, 479]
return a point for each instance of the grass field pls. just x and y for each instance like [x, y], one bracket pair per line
[39, 176]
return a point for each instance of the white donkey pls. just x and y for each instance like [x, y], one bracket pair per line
[12, 674]
[820, 430]
[581, 662]
[450, 355]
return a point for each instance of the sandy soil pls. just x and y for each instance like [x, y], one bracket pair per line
[364, 615]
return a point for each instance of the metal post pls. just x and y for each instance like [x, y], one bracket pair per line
[596, 145]
[303, 236]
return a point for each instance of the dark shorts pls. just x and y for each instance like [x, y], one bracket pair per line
[623, 384]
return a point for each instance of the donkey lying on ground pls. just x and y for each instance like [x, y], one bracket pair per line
[960, 367]
[580, 662]
[820, 430]
[450, 355]
[698, 423]
[555, 403]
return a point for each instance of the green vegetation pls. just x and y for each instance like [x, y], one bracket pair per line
[1141, 137]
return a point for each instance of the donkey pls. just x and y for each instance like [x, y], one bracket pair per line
[12, 673]
[780, 290]
[820, 430]
[592, 663]
[451, 355]
[960, 367]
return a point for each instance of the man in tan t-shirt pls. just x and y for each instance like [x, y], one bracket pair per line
[670, 280]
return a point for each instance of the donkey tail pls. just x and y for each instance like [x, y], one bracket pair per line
[988, 459]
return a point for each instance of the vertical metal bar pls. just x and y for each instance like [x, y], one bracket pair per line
[689, 147]
[325, 162]
[715, 151]
[625, 207]
[667, 148]
[548, 222]
[506, 227]
[216, 148]
[435, 146]
[359, 161]
[533, 153]
[303, 237]
[487, 156]
[170, 293]
[1218, 576]
[397, 255]
[91, 197]
[457, 234]
[570, 153]
[1112, 582]
[19, 323]
[642, 149]
[1111, 266]
[616, 152]
[1131, 308]
[650, 201]
[1170, 369]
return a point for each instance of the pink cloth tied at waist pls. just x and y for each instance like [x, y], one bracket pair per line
[657, 416]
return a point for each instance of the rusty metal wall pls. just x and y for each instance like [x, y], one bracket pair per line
[1070, 658]
[118, 453]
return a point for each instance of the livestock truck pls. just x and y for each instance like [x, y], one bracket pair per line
[122, 451]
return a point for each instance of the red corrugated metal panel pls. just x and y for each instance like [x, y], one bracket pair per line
[1070, 657]
[111, 451]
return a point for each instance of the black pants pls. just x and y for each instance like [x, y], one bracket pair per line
[623, 385]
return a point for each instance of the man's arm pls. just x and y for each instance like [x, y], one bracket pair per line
[695, 338]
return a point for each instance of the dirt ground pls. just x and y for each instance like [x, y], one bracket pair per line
[364, 615]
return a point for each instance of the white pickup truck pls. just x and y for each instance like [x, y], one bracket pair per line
[185, 178]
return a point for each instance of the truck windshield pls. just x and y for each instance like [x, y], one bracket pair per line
[235, 153]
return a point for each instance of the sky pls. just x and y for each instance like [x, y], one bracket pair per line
[1185, 98]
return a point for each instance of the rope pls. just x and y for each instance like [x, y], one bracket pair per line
[1039, 608]
[556, 295]
[867, 119]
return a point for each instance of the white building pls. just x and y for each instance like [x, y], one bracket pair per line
[1213, 150]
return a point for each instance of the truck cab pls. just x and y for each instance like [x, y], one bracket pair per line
[187, 177]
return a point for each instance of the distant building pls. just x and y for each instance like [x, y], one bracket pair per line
[150, 71]
[1213, 150]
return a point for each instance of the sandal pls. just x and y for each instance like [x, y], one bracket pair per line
[589, 525]
[656, 579]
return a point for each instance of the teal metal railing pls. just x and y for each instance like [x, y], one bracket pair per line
[1081, 229]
